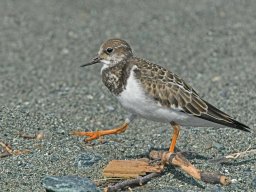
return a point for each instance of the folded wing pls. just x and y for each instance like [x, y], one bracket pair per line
[170, 91]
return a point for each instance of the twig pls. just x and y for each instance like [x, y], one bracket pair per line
[131, 182]
[8, 151]
[37, 136]
[178, 160]
[6, 147]
[229, 157]
[5, 154]
[99, 182]
[25, 136]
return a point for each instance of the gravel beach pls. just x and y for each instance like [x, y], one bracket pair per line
[211, 44]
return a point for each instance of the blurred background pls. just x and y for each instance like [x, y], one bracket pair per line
[211, 44]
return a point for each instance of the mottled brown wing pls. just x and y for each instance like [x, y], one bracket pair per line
[173, 92]
[169, 90]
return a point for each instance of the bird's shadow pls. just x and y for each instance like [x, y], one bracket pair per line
[190, 155]
[177, 174]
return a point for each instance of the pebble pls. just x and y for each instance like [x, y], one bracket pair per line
[218, 146]
[68, 184]
[60, 131]
[72, 34]
[86, 160]
[217, 188]
[224, 93]
[110, 108]
[216, 78]
[169, 189]
[213, 188]
[65, 51]
[233, 180]
[254, 183]
[90, 97]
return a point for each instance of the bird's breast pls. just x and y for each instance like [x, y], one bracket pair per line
[113, 79]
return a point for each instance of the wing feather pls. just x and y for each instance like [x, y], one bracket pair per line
[168, 89]
[173, 92]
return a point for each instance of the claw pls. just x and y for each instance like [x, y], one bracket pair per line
[91, 135]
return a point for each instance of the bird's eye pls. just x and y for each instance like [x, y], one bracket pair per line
[109, 50]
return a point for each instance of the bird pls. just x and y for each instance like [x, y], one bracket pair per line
[152, 92]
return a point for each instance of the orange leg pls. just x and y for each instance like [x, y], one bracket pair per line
[96, 134]
[175, 135]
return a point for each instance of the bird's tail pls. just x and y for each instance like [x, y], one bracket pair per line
[217, 116]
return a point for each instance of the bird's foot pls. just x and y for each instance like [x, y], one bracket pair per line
[92, 135]
[97, 134]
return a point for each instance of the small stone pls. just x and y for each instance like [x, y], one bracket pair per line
[68, 184]
[217, 189]
[233, 180]
[90, 97]
[209, 33]
[26, 103]
[61, 131]
[216, 78]
[213, 188]
[217, 146]
[86, 160]
[226, 171]
[102, 97]
[169, 189]
[65, 51]
[224, 93]
[72, 34]
[110, 108]
[254, 182]
[40, 135]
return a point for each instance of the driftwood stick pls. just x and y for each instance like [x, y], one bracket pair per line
[4, 154]
[8, 151]
[178, 160]
[6, 147]
[38, 136]
[131, 182]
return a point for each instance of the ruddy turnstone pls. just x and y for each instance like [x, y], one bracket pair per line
[150, 91]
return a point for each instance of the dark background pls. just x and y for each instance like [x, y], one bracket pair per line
[211, 44]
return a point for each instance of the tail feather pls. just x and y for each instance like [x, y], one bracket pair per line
[215, 115]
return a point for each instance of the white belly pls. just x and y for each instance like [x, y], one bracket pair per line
[136, 101]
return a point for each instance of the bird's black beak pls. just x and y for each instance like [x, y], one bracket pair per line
[94, 61]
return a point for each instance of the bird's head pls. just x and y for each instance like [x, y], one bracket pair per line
[112, 52]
